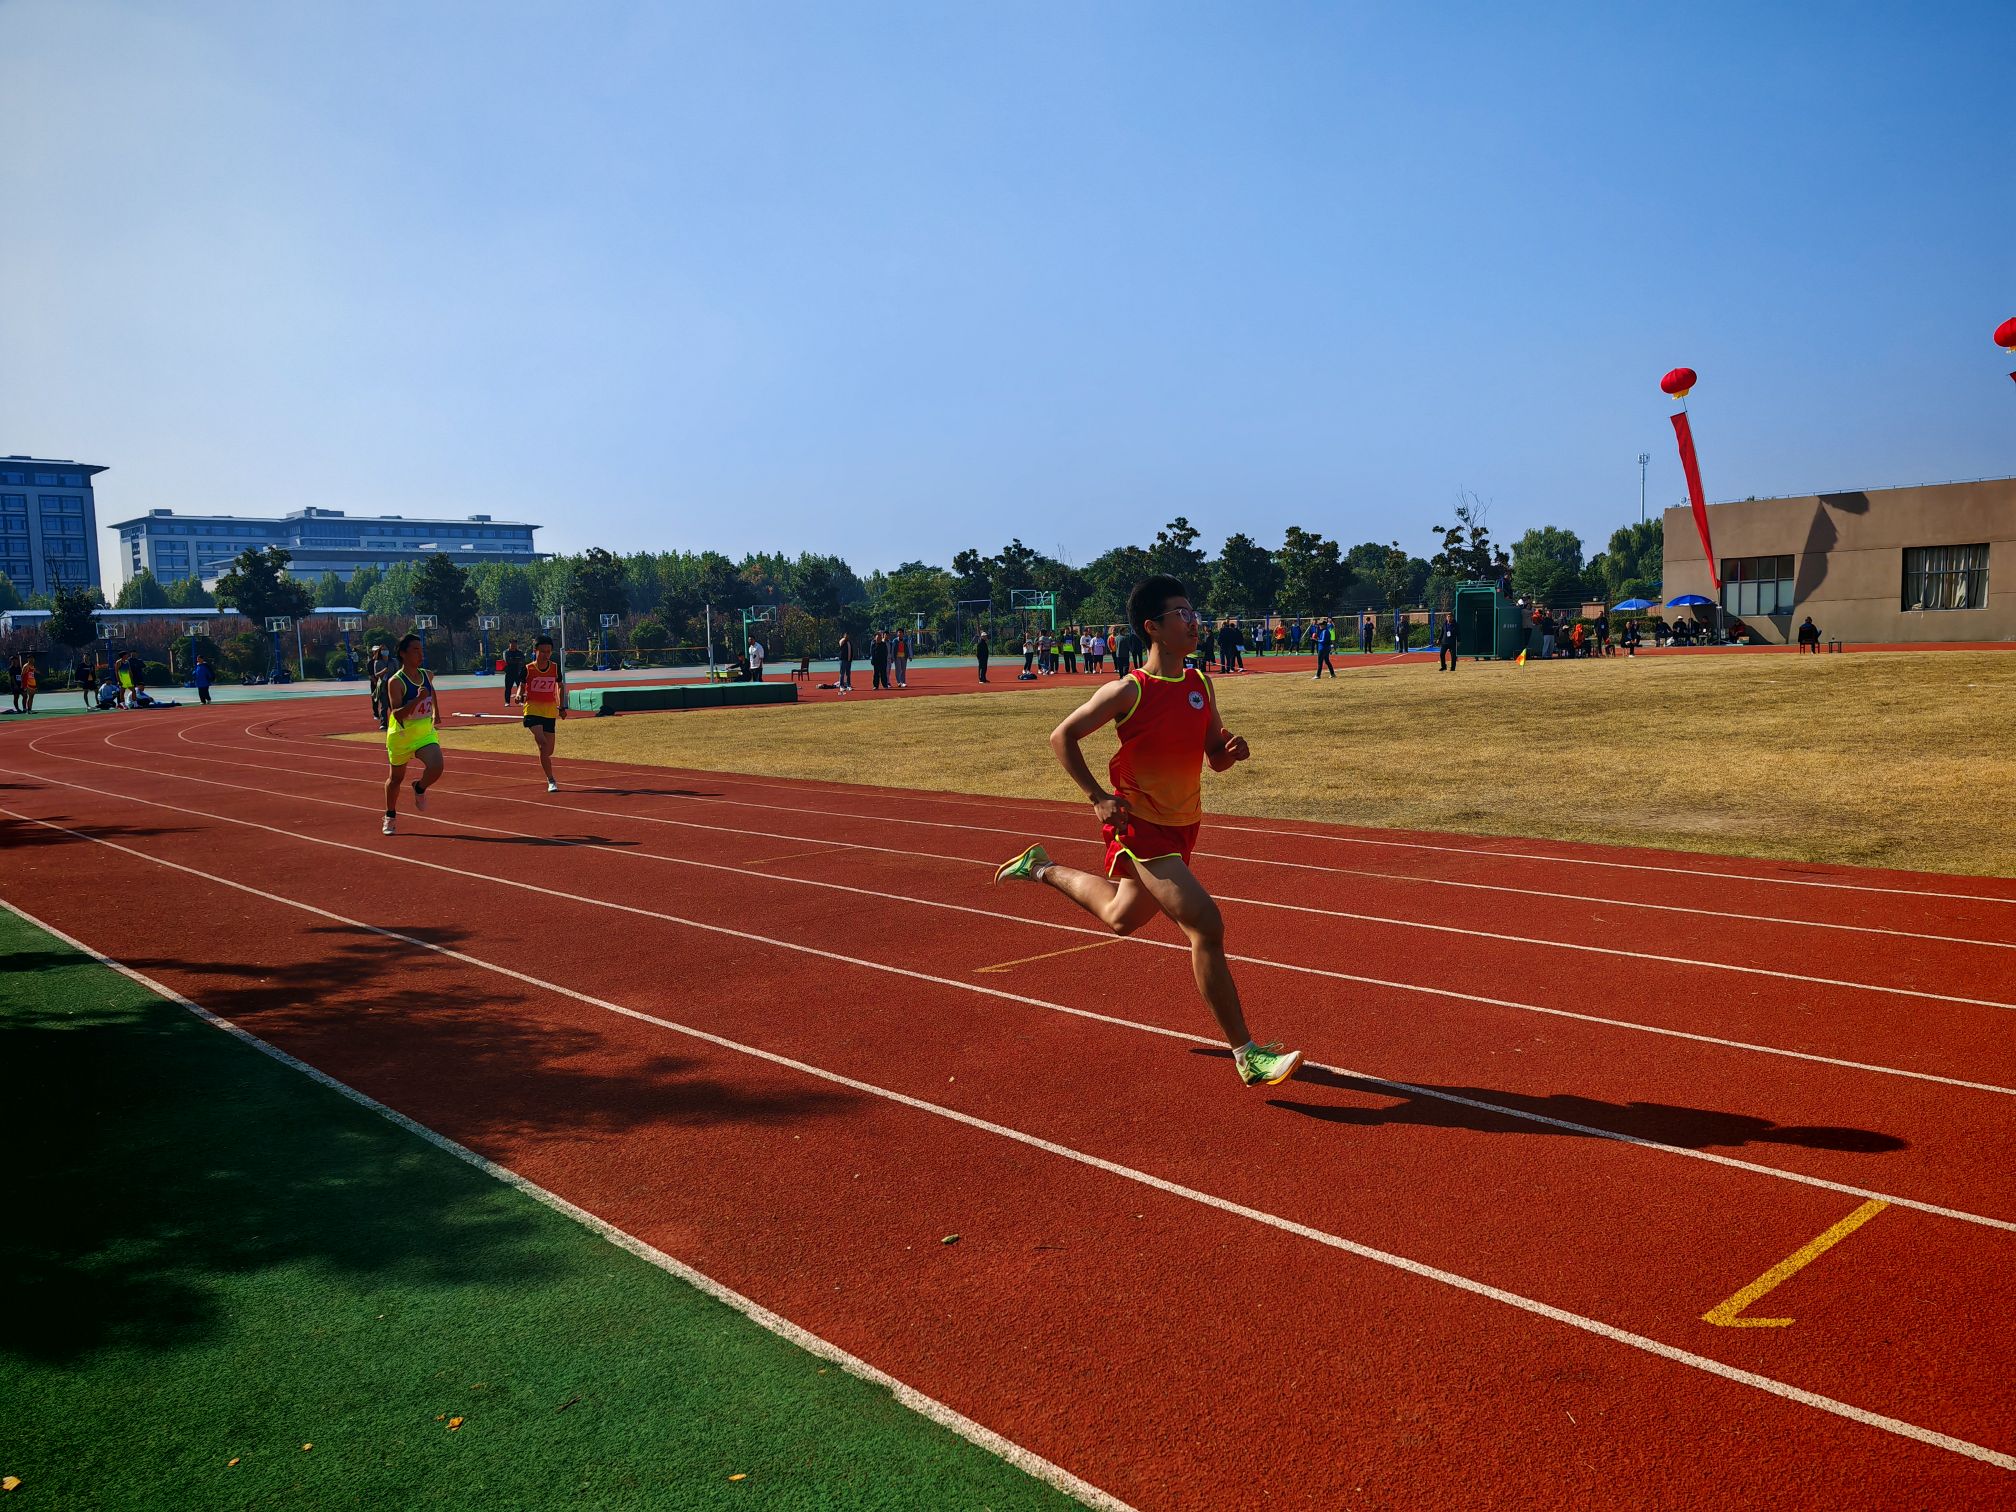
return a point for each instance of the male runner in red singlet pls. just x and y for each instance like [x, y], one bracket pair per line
[542, 694]
[1168, 721]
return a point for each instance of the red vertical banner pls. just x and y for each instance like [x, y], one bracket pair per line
[1692, 468]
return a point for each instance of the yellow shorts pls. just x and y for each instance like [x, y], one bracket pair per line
[403, 742]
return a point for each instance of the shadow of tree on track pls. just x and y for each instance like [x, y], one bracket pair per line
[1665, 1123]
[150, 1155]
[20, 834]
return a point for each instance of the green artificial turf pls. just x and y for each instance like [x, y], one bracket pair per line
[205, 1256]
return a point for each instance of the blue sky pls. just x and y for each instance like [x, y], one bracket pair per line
[891, 280]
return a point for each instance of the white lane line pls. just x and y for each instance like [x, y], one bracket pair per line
[1217, 824]
[1025, 1460]
[1768, 1384]
[975, 988]
[1683, 871]
[1379, 920]
[885, 896]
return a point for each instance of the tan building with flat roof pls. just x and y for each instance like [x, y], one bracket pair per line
[1891, 564]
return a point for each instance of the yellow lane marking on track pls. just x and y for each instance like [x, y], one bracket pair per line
[789, 856]
[1725, 1314]
[1047, 955]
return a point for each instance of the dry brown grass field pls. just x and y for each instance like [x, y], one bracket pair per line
[1899, 760]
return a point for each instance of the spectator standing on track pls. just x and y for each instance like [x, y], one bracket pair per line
[377, 672]
[1365, 632]
[1809, 636]
[980, 651]
[755, 661]
[200, 679]
[1319, 637]
[899, 659]
[28, 682]
[1445, 645]
[1029, 652]
[514, 673]
[87, 677]
[410, 705]
[1069, 648]
[845, 681]
[122, 667]
[1121, 643]
[1399, 629]
[1603, 632]
[1095, 653]
[878, 660]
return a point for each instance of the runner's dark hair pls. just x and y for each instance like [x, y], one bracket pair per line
[1150, 597]
[409, 640]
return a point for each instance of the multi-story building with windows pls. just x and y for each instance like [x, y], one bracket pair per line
[177, 546]
[48, 523]
[1882, 565]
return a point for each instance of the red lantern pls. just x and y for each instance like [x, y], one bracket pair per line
[1680, 382]
[2005, 335]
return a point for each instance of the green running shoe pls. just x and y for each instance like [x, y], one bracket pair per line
[1264, 1065]
[1024, 867]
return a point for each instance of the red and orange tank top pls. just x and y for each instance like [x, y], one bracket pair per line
[542, 690]
[1160, 764]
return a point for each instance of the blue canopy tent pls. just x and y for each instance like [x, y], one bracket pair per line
[1633, 604]
[1696, 600]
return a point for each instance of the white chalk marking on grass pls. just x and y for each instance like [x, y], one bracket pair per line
[1768, 1384]
[1025, 1460]
[785, 879]
[977, 989]
[1216, 824]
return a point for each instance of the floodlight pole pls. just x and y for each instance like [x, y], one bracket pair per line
[300, 661]
[1643, 459]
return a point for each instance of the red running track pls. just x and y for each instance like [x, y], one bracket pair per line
[1565, 1100]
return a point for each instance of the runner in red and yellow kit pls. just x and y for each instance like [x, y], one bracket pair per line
[1168, 722]
[409, 731]
[543, 697]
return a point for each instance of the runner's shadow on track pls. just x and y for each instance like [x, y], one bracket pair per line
[1663, 1123]
[615, 792]
[568, 842]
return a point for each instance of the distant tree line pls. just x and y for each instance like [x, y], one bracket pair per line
[665, 598]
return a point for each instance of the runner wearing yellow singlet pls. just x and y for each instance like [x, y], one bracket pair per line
[409, 729]
[542, 694]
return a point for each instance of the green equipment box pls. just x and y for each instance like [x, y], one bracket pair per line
[600, 701]
[1488, 623]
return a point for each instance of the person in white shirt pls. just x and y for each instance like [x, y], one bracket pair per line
[755, 661]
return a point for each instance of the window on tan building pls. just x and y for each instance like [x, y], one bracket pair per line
[1757, 585]
[1946, 577]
